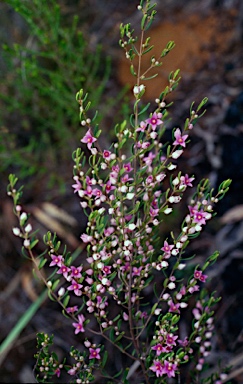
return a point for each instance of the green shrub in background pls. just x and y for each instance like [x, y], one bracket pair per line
[39, 122]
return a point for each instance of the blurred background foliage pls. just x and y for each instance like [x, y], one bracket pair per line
[39, 122]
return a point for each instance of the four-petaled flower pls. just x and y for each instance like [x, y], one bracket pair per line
[79, 326]
[199, 217]
[76, 272]
[158, 348]
[154, 120]
[167, 248]
[88, 139]
[158, 368]
[179, 139]
[169, 368]
[56, 260]
[76, 287]
[63, 271]
[94, 353]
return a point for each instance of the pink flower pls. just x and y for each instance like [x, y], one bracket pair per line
[88, 139]
[72, 309]
[107, 155]
[186, 180]
[136, 271]
[167, 248]
[154, 120]
[79, 326]
[94, 353]
[72, 371]
[63, 271]
[179, 140]
[170, 339]
[109, 187]
[75, 272]
[158, 368]
[56, 260]
[184, 342]
[199, 217]
[141, 127]
[169, 368]
[158, 348]
[86, 238]
[106, 269]
[57, 372]
[77, 186]
[128, 167]
[174, 307]
[199, 276]
[76, 288]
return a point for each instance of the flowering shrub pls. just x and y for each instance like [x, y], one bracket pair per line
[133, 289]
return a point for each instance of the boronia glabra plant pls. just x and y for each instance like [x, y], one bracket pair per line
[134, 287]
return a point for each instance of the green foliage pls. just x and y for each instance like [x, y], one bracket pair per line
[39, 121]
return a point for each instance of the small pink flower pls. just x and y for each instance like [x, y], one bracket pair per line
[76, 287]
[158, 368]
[186, 180]
[56, 260]
[167, 248]
[77, 187]
[158, 348]
[76, 272]
[72, 371]
[109, 187]
[179, 139]
[128, 167]
[170, 339]
[106, 269]
[136, 271]
[57, 372]
[86, 238]
[107, 155]
[94, 353]
[141, 127]
[174, 307]
[199, 276]
[169, 368]
[154, 120]
[63, 271]
[199, 217]
[88, 139]
[79, 326]
[72, 309]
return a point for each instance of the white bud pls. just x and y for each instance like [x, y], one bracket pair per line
[61, 292]
[167, 211]
[16, 231]
[28, 228]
